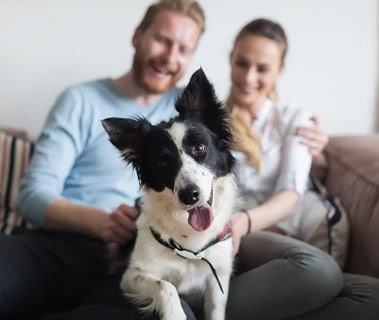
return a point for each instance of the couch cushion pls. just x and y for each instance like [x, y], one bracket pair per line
[15, 153]
[353, 175]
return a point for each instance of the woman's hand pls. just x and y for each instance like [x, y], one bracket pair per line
[314, 137]
[119, 226]
[239, 222]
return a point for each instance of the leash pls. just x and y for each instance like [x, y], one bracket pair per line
[194, 255]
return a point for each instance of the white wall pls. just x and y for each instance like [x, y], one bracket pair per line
[332, 67]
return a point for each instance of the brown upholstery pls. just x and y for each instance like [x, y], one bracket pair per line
[353, 175]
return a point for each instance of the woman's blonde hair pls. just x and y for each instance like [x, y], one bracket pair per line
[189, 8]
[245, 139]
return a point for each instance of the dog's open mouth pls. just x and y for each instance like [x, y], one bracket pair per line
[201, 217]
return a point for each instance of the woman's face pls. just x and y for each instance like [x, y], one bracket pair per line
[256, 63]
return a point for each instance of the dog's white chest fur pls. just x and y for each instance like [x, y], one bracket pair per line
[188, 272]
[156, 273]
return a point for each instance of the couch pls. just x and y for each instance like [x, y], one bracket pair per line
[351, 173]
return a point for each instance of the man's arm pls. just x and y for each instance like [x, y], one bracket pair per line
[56, 150]
[118, 226]
[41, 201]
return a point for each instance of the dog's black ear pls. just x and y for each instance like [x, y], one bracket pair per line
[199, 100]
[127, 136]
[197, 95]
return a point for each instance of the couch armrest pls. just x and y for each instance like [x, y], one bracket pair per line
[353, 176]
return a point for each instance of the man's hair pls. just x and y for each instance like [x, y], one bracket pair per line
[189, 8]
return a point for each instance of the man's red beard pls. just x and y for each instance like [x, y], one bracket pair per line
[149, 83]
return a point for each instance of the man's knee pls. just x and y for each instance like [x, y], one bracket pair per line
[19, 284]
[10, 291]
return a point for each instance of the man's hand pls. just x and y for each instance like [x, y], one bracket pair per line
[119, 226]
[314, 137]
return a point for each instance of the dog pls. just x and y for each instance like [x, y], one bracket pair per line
[185, 168]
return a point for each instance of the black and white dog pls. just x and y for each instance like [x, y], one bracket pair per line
[185, 165]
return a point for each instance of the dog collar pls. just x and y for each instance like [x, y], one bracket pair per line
[195, 255]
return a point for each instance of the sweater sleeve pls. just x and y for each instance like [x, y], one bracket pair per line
[59, 144]
[296, 158]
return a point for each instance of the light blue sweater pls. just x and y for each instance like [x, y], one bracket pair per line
[73, 157]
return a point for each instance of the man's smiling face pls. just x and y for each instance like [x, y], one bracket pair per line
[164, 50]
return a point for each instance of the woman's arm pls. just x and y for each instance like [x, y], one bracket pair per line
[315, 138]
[280, 206]
[287, 186]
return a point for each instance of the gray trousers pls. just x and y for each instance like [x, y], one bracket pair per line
[281, 278]
[61, 276]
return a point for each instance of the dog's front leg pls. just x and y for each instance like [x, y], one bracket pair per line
[160, 295]
[214, 299]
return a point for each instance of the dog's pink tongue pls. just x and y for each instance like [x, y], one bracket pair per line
[200, 218]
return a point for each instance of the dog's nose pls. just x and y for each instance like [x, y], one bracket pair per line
[189, 195]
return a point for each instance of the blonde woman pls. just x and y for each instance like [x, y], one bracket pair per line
[278, 277]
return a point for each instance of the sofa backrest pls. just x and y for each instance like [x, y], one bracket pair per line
[353, 176]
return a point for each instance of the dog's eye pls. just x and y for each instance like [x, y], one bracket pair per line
[198, 149]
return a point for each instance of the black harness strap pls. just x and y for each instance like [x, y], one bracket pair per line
[189, 254]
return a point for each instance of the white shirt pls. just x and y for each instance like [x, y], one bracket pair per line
[285, 161]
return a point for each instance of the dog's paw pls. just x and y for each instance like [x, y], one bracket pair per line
[168, 304]
[217, 315]
[174, 315]
[172, 311]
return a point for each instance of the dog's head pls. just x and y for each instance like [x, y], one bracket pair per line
[180, 161]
